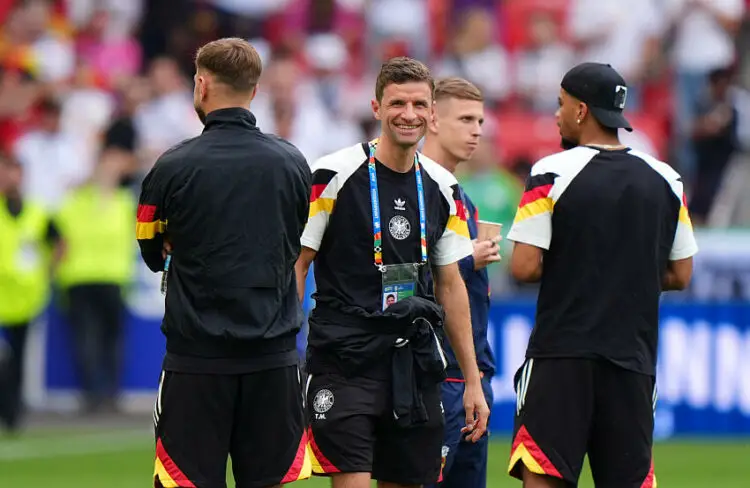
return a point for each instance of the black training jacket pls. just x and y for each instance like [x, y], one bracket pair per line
[233, 203]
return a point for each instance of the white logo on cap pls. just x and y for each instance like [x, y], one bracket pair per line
[621, 95]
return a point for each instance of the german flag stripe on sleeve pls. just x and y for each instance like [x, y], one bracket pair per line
[461, 211]
[318, 203]
[147, 226]
[684, 216]
[146, 213]
[457, 223]
[535, 199]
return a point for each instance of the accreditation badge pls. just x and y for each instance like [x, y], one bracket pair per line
[399, 282]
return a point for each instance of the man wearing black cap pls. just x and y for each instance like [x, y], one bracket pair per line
[606, 230]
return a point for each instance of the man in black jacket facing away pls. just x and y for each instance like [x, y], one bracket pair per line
[221, 215]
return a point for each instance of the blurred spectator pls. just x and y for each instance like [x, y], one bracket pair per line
[27, 239]
[542, 64]
[326, 56]
[121, 134]
[702, 39]
[96, 223]
[123, 17]
[53, 160]
[715, 136]
[18, 95]
[87, 107]
[403, 21]
[168, 118]
[246, 19]
[626, 36]
[475, 56]
[112, 56]
[731, 201]
[288, 104]
[34, 43]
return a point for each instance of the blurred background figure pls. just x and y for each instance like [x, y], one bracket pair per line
[29, 244]
[702, 36]
[168, 116]
[544, 61]
[96, 223]
[715, 140]
[54, 160]
[476, 56]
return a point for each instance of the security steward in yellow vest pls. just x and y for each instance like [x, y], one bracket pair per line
[96, 223]
[28, 240]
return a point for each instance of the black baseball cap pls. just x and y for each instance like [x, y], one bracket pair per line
[601, 88]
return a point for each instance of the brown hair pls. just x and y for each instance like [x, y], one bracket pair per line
[402, 70]
[455, 87]
[233, 61]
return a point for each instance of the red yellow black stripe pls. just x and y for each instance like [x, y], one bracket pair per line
[320, 464]
[457, 223]
[166, 472]
[147, 226]
[301, 467]
[320, 181]
[526, 451]
[535, 199]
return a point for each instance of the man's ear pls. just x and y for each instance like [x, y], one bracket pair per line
[375, 108]
[433, 124]
[202, 87]
[583, 111]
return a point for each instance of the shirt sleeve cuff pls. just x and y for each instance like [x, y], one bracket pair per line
[536, 241]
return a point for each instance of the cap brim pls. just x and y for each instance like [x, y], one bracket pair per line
[611, 119]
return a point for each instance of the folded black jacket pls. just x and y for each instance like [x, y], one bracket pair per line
[405, 332]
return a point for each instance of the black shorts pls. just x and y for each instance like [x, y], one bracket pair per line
[352, 430]
[567, 408]
[257, 418]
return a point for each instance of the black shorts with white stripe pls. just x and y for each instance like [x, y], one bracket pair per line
[569, 407]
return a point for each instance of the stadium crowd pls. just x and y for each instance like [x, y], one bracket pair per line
[92, 92]
[117, 75]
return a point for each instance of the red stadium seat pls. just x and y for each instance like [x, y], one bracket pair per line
[526, 135]
[523, 135]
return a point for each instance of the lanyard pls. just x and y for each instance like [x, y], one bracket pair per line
[377, 231]
[167, 262]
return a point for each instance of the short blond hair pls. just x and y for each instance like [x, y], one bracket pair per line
[459, 88]
[233, 61]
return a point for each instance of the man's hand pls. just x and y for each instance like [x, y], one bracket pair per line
[477, 412]
[167, 249]
[450, 292]
[486, 252]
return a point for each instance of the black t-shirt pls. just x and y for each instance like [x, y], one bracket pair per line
[340, 228]
[609, 222]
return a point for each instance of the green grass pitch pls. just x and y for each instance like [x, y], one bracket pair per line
[92, 458]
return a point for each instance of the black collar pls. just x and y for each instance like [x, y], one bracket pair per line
[237, 116]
